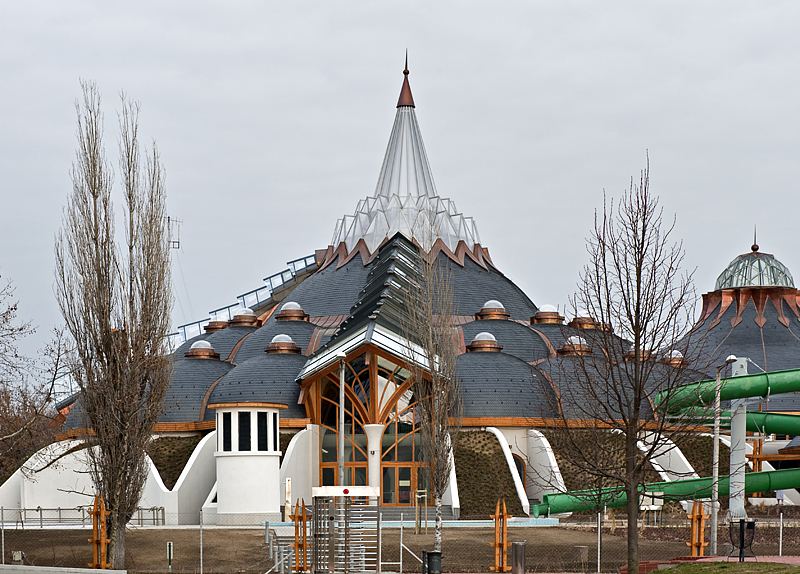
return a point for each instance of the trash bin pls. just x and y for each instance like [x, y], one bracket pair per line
[518, 558]
[434, 562]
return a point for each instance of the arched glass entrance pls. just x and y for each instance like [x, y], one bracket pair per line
[377, 391]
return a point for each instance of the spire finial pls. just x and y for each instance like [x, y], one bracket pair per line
[405, 92]
[754, 247]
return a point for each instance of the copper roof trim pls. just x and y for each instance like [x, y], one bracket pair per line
[547, 318]
[282, 348]
[248, 404]
[202, 353]
[214, 326]
[574, 349]
[492, 313]
[643, 355]
[292, 315]
[676, 362]
[483, 346]
[244, 321]
[587, 323]
[405, 92]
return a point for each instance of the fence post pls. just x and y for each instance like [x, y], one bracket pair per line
[401, 546]
[41, 522]
[380, 532]
[780, 535]
[599, 530]
[3, 522]
[201, 541]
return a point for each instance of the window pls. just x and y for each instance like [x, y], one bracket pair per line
[520, 464]
[275, 431]
[262, 431]
[244, 431]
[226, 432]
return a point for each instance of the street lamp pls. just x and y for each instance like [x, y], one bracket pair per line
[342, 356]
[715, 461]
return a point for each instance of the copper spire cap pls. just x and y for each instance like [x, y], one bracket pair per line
[406, 99]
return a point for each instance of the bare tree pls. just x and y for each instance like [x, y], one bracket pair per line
[26, 388]
[431, 307]
[639, 344]
[116, 301]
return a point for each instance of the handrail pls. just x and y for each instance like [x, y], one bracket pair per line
[249, 299]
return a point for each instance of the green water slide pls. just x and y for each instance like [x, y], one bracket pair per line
[767, 423]
[682, 400]
[745, 386]
[688, 489]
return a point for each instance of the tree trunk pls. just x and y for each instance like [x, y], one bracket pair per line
[116, 548]
[633, 527]
[437, 531]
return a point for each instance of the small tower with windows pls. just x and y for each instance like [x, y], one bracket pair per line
[248, 450]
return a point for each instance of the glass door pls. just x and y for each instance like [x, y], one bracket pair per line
[398, 485]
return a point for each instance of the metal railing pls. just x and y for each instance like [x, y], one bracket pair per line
[250, 299]
[79, 515]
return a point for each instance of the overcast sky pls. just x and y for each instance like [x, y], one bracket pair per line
[272, 119]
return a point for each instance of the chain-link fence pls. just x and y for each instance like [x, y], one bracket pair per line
[59, 537]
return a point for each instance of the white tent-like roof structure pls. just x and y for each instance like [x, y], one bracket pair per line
[405, 198]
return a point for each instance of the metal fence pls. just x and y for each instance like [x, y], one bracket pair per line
[58, 537]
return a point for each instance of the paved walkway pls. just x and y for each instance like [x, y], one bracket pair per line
[775, 559]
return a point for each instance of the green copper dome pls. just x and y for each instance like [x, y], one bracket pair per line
[754, 270]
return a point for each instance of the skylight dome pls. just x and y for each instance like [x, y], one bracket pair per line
[575, 340]
[201, 345]
[291, 306]
[243, 311]
[484, 336]
[754, 270]
[548, 309]
[493, 304]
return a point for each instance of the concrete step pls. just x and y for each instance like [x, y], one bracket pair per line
[392, 513]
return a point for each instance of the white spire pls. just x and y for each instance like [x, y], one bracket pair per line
[405, 169]
[405, 198]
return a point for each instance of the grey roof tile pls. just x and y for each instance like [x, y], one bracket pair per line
[266, 378]
[494, 384]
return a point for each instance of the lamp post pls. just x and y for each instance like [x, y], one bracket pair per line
[341, 356]
[715, 459]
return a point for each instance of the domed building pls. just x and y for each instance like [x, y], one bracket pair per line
[259, 379]
[754, 312]
[279, 352]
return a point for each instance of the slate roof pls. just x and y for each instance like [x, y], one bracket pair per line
[384, 297]
[494, 384]
[774, 346]
[473, 286]
[517, 340]
[331, 291]
[181, 351]
[255, 344]
[225, 340]
[190, 381]
[266, 378]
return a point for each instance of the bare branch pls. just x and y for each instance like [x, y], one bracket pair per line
[116, 303]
